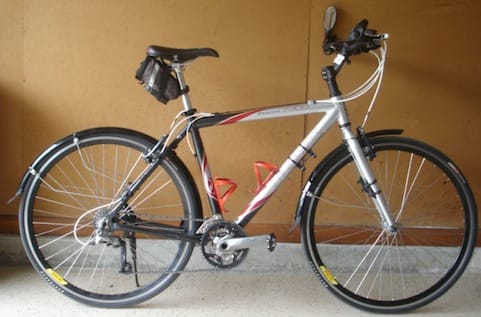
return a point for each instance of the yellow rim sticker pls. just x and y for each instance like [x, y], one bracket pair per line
[56, 277]
[328, 275]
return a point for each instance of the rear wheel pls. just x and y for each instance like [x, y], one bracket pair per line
[63, 218]
[390, 272]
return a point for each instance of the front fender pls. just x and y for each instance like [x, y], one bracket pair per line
[324, 164]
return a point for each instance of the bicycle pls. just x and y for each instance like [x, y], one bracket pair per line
[110, 216]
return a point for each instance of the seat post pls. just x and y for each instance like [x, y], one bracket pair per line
[184, 89]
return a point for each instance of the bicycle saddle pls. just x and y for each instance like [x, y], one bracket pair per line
[180, 55]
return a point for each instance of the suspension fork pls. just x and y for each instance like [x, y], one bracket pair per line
[367, 179]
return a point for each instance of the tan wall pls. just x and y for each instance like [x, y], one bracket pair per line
[69, 65]
[11, 100]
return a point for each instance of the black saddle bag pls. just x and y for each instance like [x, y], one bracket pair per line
[158, 79]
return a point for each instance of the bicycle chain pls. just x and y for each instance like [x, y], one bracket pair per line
[206, 222]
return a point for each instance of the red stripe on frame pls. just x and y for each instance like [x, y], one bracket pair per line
[238, 117]
[256, 206]
[208, 183]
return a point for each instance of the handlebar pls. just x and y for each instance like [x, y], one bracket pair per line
[360, 40]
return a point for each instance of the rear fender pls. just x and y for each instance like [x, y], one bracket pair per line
[32, 169]
[40, 159]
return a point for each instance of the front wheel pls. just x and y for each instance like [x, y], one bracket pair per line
[63, 213]
[381, 271]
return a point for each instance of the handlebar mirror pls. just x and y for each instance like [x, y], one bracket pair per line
[329, 19]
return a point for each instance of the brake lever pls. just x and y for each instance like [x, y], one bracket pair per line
[374, 35]
[328, 45]
[331, 47]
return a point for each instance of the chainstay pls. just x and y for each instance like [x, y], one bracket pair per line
[170, 218]
[201, 261]
[246, 268]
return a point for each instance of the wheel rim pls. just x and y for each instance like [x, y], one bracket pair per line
[415, 265]
[64, 199]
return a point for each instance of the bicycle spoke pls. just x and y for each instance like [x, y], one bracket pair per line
[407, 191]
[371, 249]
[362, 262]
[74, 235]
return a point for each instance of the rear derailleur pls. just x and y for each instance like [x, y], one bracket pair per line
[104, 234]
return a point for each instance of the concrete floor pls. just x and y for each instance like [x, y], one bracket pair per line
[277, 284]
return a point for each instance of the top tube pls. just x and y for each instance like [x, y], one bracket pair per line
[274, 112]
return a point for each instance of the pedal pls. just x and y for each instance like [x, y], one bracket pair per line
[271, 242]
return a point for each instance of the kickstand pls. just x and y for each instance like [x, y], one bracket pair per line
[133, 252]
[125, 266]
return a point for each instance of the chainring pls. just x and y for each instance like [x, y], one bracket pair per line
[214, 235]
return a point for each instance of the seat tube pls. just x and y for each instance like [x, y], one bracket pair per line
[207, 179]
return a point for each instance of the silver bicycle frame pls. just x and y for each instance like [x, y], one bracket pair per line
[334, 111]
[296, 158]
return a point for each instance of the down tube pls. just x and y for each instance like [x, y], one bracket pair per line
[293, 161]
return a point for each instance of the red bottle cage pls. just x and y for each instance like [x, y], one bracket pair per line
[222, 197]
[272, 170]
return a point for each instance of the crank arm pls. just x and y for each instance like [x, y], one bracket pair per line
[235, 244]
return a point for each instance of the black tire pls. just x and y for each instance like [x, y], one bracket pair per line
[63, 200]
[371, 269]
